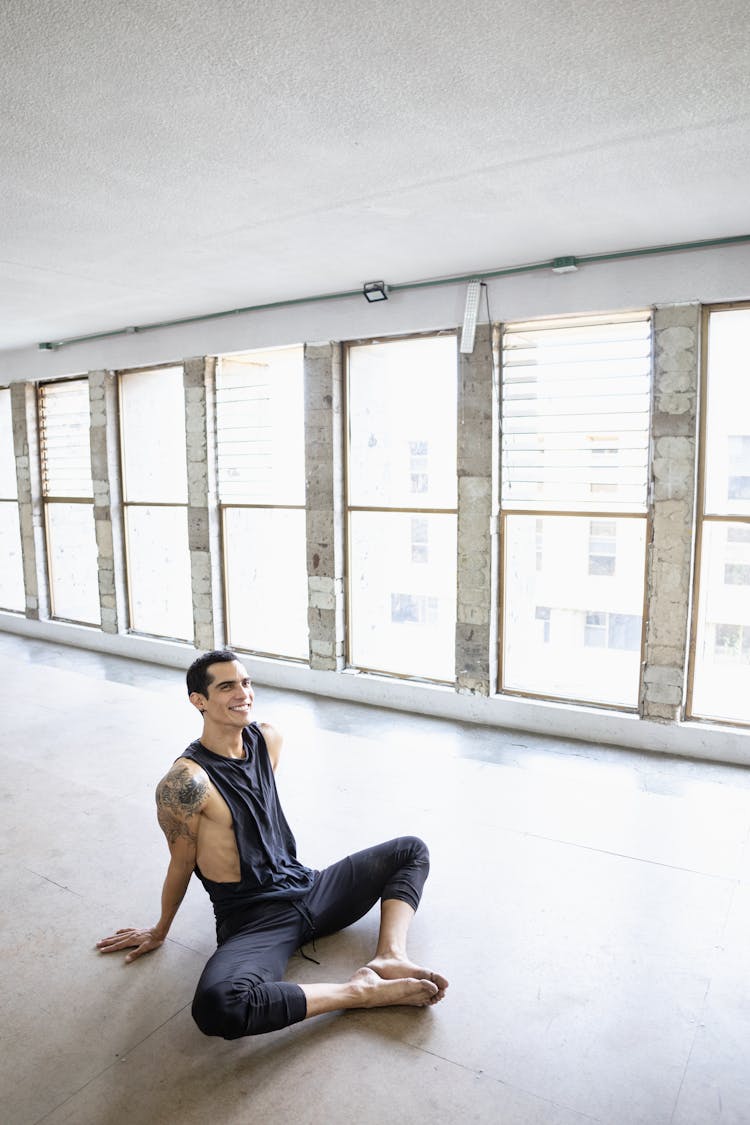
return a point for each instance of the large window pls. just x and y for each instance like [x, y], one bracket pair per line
[261, 459]
[720, 672]
[11, 569]
[402, 506]
[154, 475]
[68, 492]
[575, 426]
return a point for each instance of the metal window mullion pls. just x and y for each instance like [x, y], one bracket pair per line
[68, 499]
[155, 504]
[593, 513]
[226, 504]
[404, 511]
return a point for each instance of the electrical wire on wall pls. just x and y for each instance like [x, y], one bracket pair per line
[556, 265]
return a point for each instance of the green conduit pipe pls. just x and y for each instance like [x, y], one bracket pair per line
[588, 259]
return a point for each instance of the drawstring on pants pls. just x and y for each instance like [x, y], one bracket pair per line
[305, 915]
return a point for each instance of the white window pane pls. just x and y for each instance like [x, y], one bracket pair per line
[403, 611]
[8, 483]
[154, 459]
[72, 553]
[570, 633]
[12, 594]
[728, 414]
[266, 574]
[260, 427]
[64, 424]
[576, 402]
[402, 423]
[721, 687]
[159, 572]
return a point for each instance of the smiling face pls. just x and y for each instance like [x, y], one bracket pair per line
[230, 695]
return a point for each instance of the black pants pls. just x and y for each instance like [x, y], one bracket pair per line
[241, 991]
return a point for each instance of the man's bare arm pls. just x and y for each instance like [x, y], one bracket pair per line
[180, 797]
[274, 740]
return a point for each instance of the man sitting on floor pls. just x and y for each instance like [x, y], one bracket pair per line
[219, 809]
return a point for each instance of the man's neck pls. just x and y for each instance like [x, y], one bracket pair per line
[227, 743]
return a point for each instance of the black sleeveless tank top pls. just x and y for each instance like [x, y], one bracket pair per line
[269, 868]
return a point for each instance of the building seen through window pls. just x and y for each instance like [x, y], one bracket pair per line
[602, 547]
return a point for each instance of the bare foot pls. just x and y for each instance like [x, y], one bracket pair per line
[373, 991]
[394, 968]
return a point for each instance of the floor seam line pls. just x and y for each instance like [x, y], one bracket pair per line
[734, 879]
[54, 882]
[504, 1082]
[111, 1066]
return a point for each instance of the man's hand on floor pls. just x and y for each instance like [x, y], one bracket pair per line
[140, 941]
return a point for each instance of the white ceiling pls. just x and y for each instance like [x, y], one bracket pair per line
[165, 158]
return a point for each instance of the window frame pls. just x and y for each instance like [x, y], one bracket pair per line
[15, 501]
[349, 508]
[590, 514]
[224, 506]
[126, 504]
[702, 518]
[47, 501]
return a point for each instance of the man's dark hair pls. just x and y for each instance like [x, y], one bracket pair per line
[197, 674]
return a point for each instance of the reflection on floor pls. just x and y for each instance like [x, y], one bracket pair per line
[590, 907]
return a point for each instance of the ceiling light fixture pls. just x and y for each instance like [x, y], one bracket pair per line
[375, 291]
[473, 293]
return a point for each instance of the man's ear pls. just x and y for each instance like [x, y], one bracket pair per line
[198, 700]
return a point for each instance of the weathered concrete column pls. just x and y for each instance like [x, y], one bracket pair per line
[199, 380]
[477, 460]
[676, 373]
[108, 517]
[30, 507]
[324, 475]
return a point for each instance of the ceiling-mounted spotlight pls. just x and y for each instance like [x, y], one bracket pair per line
[565, 265]
[375, 291]
[473, 293]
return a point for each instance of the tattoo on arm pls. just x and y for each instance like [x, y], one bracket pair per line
[179, 796]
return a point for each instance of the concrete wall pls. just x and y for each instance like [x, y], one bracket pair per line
[476, 634]
[324, 488]
[204, 535]
[108, 516]
[670, 553]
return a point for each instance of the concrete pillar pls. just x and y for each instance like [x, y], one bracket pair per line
[476, 630]
[199, 380]
[30, 507]
[324, 475]
[675, 396]
[108, 514]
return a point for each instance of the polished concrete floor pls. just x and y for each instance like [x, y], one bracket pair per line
[590, 907]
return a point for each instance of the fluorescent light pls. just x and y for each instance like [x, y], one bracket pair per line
[473, 293]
